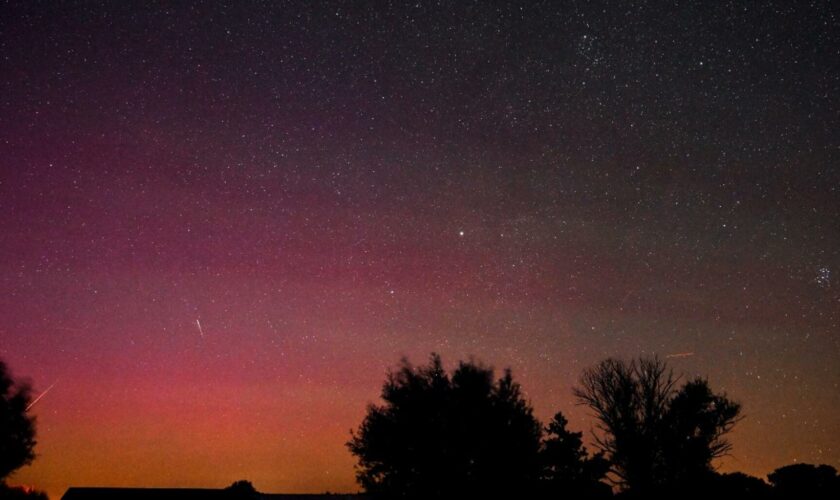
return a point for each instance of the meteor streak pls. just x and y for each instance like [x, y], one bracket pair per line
[200, 331]
[41, 396]
[680, 355]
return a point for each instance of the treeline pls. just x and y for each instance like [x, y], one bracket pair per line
[469, 435]
[466, 434]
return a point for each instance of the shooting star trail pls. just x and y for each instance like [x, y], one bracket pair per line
[680, 355]
[41, 396]
[200, 331]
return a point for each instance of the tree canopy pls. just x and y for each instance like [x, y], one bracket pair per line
[467, 435]
[242, 490]
[806, 481]
[438, 436]
[569, 470]
[17, 427]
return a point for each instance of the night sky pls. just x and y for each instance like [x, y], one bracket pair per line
[220, 226]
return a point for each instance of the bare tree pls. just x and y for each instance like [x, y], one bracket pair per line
[653, 434]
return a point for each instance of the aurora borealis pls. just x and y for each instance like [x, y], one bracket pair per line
[222, 224]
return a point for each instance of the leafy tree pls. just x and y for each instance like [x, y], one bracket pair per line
[656, 437]
[805, 481]
[438, 436]
[697, 422]
[736, 485]
[17, 427]
[241, 490]
[568, 468]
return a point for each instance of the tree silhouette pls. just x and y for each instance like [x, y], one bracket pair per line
[17, 427]
[438, 436]
[657, 438]
[697, 421]
[20, 493]
[805, 481]
[735, 485]
[568, 469]
[630, 401]
[241, 490]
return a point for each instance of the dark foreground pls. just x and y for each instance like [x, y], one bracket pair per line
[190, 494]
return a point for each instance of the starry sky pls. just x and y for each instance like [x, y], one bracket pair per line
[221, 224]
